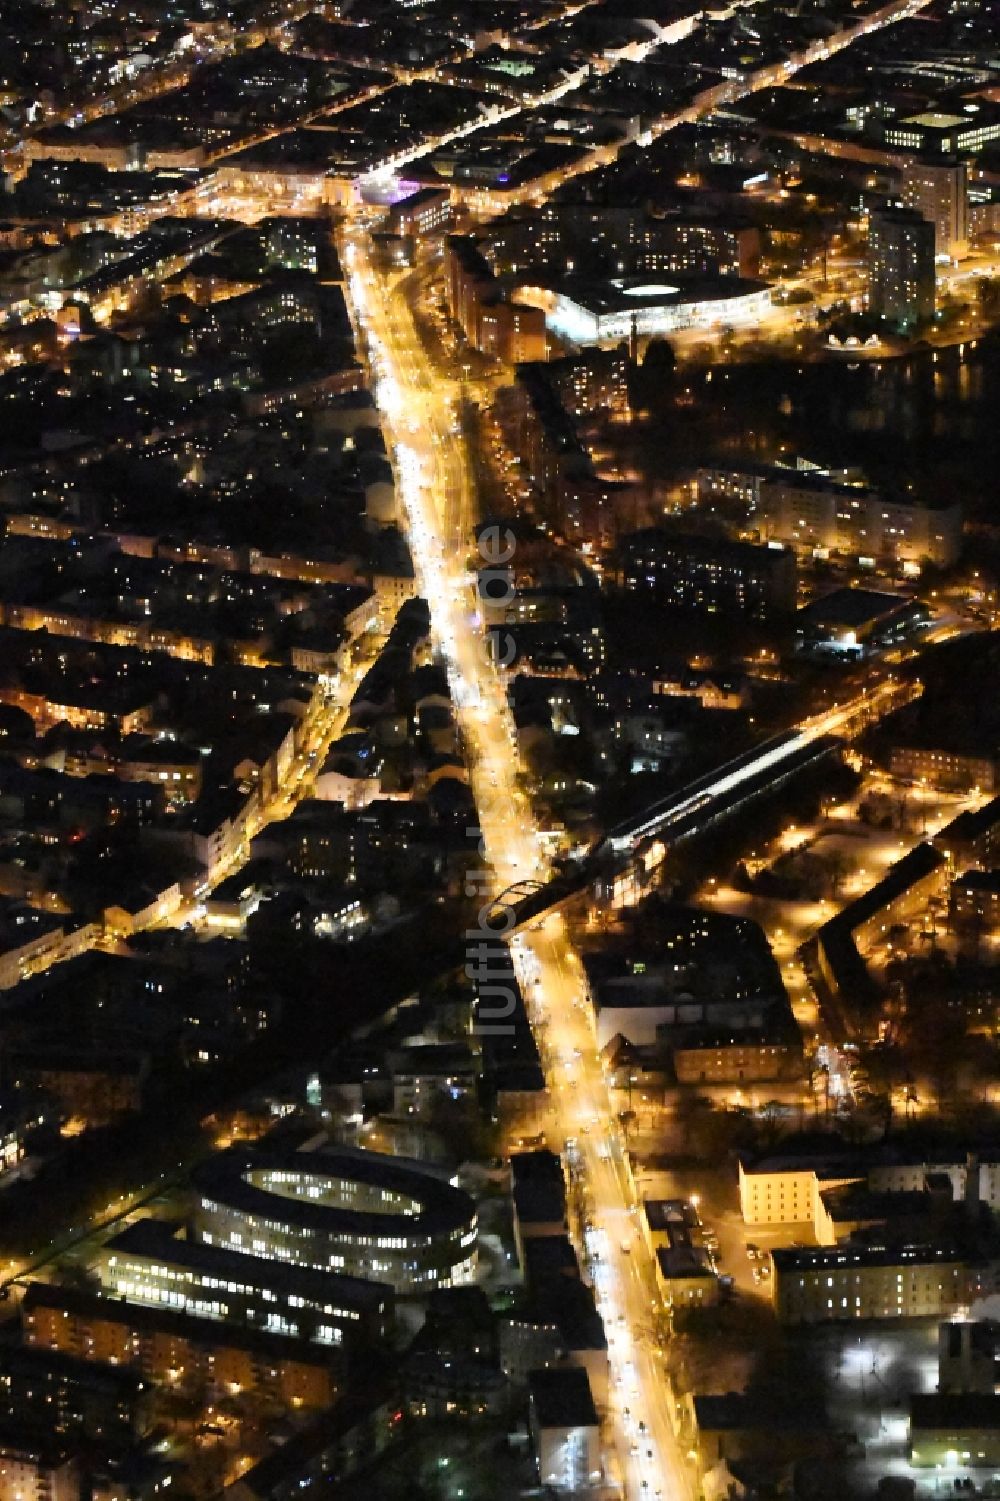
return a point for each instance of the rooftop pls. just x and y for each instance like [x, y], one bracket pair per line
[829, 1258]
[980, 880]
[955, 1411]
[853, 607]
[679, 1262]
[92, 1307]
[561, 1398]
[919, 862]
[628, 294]
[158, 1240]
[935, 120]
[251, 1180]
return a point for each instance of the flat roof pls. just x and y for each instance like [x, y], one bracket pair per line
[933, 119]
[213, 1333]
[854, 607]
[663, 1214]
[972, 823]
[420, 197]
[538, 1187]
[737, 1411]
[271, 1476]
[561, 1398]
[47, 1451]
[568, 1304]
[917, 863]
[38, 1361]
[680, 1262]
[855, 1201]
[834, 1165]
[830, 1258]
[159, 1241]
[547, 1256]
[623, 294]
[979, 880]
[228, 1178]
[956, 1411]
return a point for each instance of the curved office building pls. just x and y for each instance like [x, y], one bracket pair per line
[589, 311]
[341, 1209]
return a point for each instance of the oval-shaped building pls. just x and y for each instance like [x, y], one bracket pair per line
[341, 1209]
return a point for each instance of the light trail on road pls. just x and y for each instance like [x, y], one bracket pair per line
[432, 475]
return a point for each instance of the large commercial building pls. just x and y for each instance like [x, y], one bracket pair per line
[602, 309]
[608, 312]
[342, 1210]
[901, 281]
[938, 191]
[150, 1263]
[940, 132]
[689, 572]
[856, 623]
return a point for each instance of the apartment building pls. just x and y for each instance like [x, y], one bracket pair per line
[819, 517]
[835, 1284]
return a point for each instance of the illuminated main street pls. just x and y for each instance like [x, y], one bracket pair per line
[433, 479]
[434, 486]
[420, 408]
